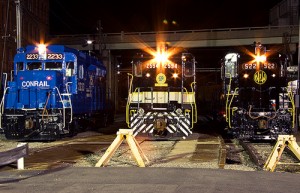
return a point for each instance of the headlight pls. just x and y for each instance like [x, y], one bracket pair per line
[141, 111]
[178, 111]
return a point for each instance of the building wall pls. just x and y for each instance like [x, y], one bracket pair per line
[35, 28]
[285, 13]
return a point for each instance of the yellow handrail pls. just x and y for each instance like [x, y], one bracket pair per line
[271, 117]
[195, 105]
[227, 97]
[191, 103]
[128, 100]
[291, 97]
[235, 93]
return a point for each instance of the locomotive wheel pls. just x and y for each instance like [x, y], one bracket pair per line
[103, 121]
[74, 128]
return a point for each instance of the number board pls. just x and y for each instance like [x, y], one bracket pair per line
[156, 65]
[255, 66]
[32, 56]
[52, 56]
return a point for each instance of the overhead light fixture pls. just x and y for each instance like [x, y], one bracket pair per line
[89, 42]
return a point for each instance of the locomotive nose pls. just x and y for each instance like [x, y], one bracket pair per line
[34, 88]
[38, 79]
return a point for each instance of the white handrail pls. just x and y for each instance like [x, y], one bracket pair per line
[70, 101]
[3, 97]
[64, 113]
[2, 105]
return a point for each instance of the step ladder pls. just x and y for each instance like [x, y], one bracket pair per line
[66, 100]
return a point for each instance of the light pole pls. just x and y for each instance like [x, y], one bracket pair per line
[100, 38]
[297, 96]
[19, 24]
[89, 43]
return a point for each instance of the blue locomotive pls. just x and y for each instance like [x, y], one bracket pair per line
[55, 92]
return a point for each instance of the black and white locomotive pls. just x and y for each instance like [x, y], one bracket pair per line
[161, 101]
[258, 94]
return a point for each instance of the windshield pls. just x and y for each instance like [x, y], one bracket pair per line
[34, 66]
[53, 65]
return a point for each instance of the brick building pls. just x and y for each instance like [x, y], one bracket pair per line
[34, 27]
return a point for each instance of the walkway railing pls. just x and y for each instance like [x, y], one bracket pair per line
[188, 38]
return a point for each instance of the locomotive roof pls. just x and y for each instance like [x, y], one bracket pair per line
[54, 48]
[61, 48]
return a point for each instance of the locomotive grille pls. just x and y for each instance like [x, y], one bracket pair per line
[177, 125]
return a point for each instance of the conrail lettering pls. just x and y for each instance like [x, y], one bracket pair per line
[34, 83]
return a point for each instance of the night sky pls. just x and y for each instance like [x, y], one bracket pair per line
[75, 17]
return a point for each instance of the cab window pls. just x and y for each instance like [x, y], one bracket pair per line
[53, 66]
[20, 66]
[81, 72]
[188, 61]
[137, 68]
[34, 66]
[70, 69]
[231, 65]
[189, 69]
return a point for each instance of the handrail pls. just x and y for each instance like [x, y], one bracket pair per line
[122, 33]
[130, 85]
[70, 101]
[5, 81]
[195, 104]
[252, 117]
[64, 113]
[291, 97]
[4, 88]
[2, 105]
[227, 97]
[2, 100]
[45, 107]
[235, 93]
[128, 100]
[186, 92]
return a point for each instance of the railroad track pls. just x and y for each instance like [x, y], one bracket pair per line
[198, 151]
[256, 153]
[260, 151]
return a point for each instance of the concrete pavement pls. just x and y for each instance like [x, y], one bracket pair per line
[135, 179]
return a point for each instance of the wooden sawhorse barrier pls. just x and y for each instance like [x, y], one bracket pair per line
[282, 142]
[133, 144]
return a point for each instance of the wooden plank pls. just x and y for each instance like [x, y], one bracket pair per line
[133, 144]
[135, 150]
[13, 155]
[110, 151]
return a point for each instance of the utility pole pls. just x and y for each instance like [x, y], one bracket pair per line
[19, 23]
[298, 42]
[100, 37]
[297, 96]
